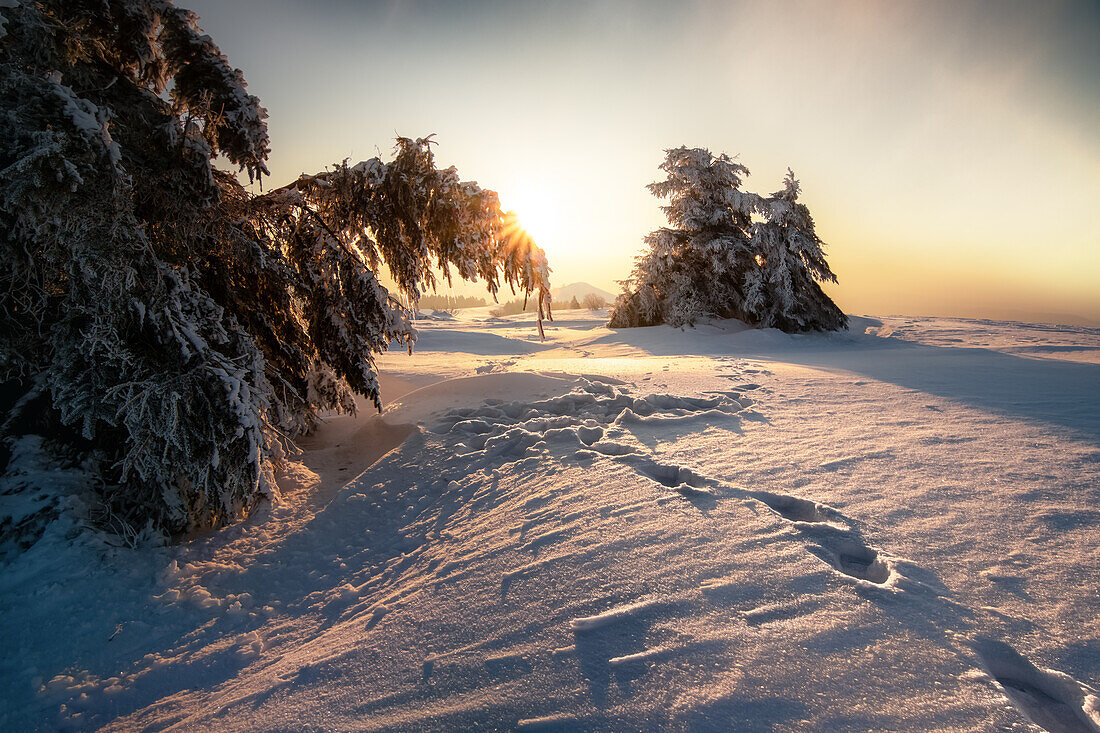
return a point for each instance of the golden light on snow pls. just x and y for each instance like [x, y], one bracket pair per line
[916, 129]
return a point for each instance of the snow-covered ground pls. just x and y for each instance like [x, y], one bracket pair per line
[896, 528]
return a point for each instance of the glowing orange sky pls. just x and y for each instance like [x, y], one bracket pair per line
[948, 151]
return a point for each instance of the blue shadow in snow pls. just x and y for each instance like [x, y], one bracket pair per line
[476, 342]
[1057, 392]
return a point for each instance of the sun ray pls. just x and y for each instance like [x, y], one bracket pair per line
[537, 213]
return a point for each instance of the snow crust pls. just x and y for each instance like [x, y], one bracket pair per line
[894, 528]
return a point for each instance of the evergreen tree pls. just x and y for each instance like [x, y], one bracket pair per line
[693, 268]
[574, 304]
[164, 326]
[434, 301]
[714, 261]
[783, 291]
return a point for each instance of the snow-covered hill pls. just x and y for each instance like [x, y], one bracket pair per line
[579, 291]
[894, 528]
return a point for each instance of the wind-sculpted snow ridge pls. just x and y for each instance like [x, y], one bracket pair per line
[590, 419]
[610, 641]
[1034, 340]
[671, 544]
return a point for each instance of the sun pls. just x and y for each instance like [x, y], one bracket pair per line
[538, 212]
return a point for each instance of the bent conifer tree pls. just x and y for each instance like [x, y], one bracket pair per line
[728, 253]
[160, 323]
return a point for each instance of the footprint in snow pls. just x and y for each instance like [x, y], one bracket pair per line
[847, 554]
[839, 546]
[1051, 700]
[699, 490]
[791, 508]
[671, 476]
[745, 386]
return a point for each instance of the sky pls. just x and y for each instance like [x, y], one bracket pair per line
[948, 151]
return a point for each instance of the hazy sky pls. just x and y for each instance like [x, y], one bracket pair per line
[950, 152]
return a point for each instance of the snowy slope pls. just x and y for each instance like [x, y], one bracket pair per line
[720, 529]
[579, 291]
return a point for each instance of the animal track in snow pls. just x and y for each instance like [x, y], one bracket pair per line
[1052, 700]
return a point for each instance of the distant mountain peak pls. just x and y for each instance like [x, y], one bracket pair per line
[578, 290]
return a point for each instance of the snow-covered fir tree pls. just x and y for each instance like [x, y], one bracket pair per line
[782, 291]
[715, 261]
[692, 267]
[164, 327]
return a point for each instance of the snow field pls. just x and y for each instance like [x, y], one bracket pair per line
[684, 543]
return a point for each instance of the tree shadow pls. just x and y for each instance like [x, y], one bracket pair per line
[1058, 392]
[481, 343]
